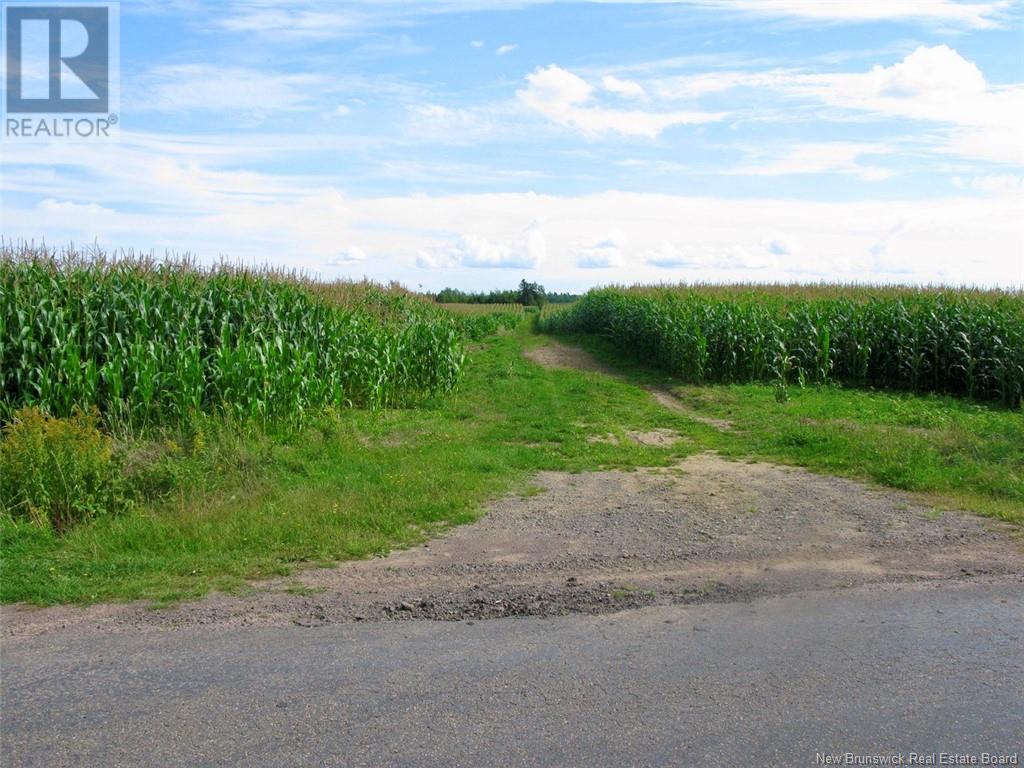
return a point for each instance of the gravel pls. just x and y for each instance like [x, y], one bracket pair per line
[706, 530]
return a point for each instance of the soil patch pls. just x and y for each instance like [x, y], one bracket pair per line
[706, 529]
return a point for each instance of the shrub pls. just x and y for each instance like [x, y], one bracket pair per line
[57, 472]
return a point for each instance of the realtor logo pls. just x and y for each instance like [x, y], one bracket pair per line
[59, 60]
[69, 44]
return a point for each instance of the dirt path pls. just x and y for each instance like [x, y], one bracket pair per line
[704, 530]
[554, 354]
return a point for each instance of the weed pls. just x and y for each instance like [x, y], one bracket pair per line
[56, 473]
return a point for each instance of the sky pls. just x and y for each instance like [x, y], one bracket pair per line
[473, 144]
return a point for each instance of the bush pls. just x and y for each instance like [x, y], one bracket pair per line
[57, 472]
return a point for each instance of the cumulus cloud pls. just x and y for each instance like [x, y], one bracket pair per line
[927, 84]
[936, 84]
[502, 50]
[739, 257]
[718, 257]
[472, 250]
[477, 251]
[553, 88]
[353, 254]
[567, 99]
[974, 118]
[604, 253]
[304, 222]
[426, 259]
[668, 255]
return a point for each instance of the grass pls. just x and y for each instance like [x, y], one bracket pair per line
[251, 503]
[352, 484]
[958, 453]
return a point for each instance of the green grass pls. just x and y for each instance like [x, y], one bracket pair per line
[350, 485]
[246, 503]
[961, 453]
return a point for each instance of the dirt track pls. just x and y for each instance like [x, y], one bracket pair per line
[704, 530]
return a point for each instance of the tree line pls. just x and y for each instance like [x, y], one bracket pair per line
[528, 294]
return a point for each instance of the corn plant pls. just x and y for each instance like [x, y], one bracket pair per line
[961, 342]
[149, 343]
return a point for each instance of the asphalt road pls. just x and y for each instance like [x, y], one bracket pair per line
[927, 668]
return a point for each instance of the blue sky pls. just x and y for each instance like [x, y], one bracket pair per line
[473, 144]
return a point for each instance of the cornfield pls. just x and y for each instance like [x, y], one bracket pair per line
[481, 320]
[482, 309]
[151, 343]
[965, 343]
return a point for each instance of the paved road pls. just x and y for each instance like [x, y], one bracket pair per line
[772, 682]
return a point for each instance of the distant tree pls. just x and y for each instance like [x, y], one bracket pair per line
[451, 296]
[562, 298]
[531, 294]
[528, 294]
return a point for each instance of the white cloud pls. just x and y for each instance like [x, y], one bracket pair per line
[563, 97]
[445, 116]
[978, 15]
[69, 208]
[973, 118]
[782, 246]
[558, 87]
[293, 24]
[502, 50]
[934, 84]
[960, 239]
[187, 194]
[390, 47]
[322, 19]
[342, 109]
[476, 44]
[627, 88]
[740, 257]
[434, 122]
[426, 259]
[202, 87]
[711, 257]
[353, 254]
[993, 184]
[827, 157]
[668, 255]
[477, 251]
[524, 252]
[928, 83]
[604, 253]
[692, 86]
